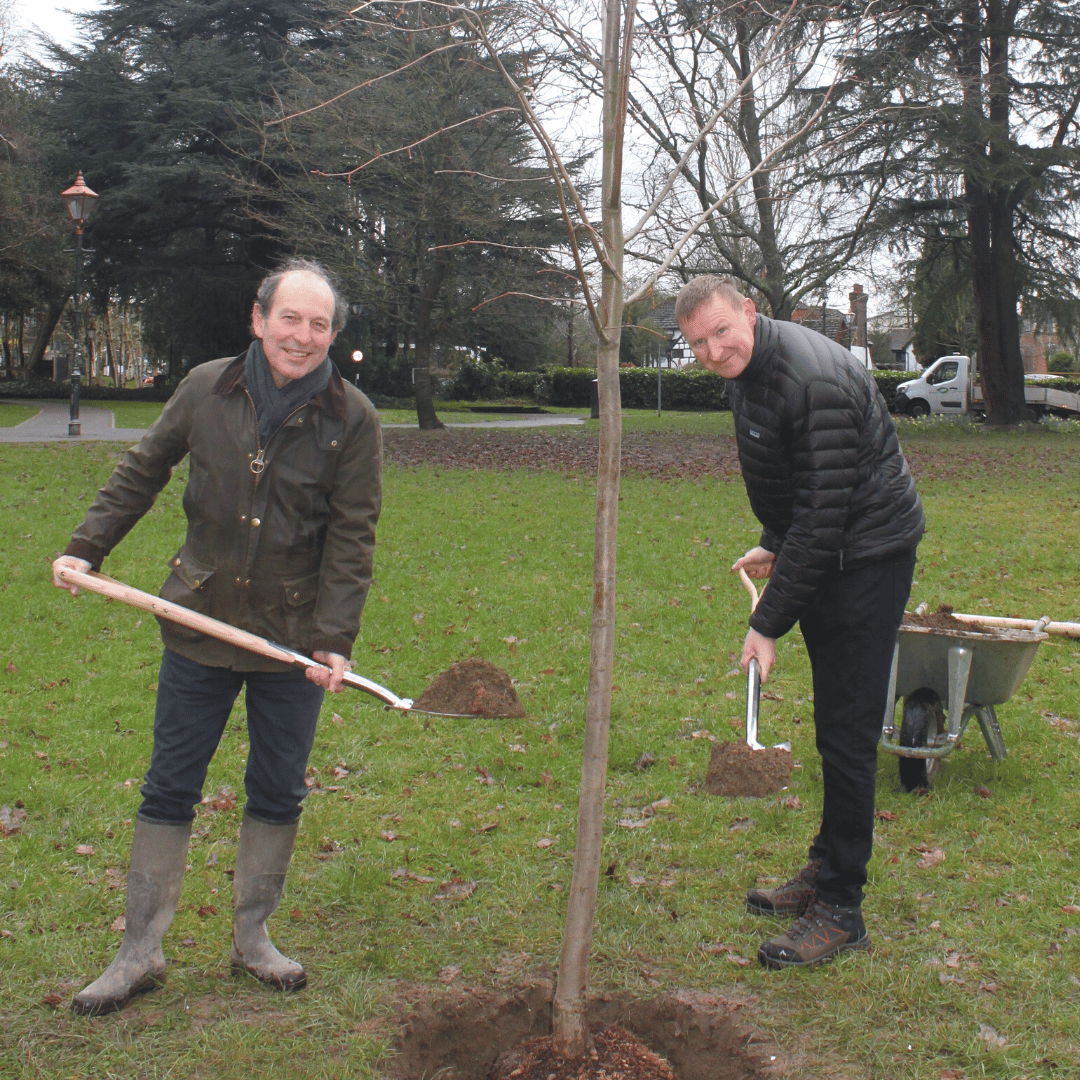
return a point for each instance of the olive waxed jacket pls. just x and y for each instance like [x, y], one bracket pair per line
[283, 551]
[822, 466]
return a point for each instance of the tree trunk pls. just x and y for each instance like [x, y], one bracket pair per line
[44, 335]
[570, 1020]
[425, 402]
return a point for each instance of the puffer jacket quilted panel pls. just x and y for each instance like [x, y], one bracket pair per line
[822, 466]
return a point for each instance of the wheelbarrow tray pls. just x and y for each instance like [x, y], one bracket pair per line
[999, 662]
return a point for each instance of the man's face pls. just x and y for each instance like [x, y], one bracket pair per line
[721, 336]
[296, 333]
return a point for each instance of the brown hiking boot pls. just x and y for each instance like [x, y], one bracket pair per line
[791, 898]
[818, 935]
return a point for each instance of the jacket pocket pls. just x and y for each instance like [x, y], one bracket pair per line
[190, 585]
[299, 597]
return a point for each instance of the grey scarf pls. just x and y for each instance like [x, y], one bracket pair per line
[273, 405]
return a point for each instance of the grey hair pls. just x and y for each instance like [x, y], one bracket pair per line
[701, 290]
[269, 285]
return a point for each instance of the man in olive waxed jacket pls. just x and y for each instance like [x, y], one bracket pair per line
[841, 520]
[282, 499]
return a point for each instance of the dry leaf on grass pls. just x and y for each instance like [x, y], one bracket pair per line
[455, 889]
[119, 924]
[931, 856]
[992, 1039]
[544, 842]
[389, 836]
[1071, 909]
[11, 820]
[885, 815]
[84, 849]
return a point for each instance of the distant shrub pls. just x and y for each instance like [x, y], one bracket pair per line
[888, 381]
[1061, 361]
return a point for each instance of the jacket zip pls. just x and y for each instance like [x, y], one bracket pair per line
[257, 463]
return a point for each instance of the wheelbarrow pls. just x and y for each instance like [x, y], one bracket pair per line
[967, 671]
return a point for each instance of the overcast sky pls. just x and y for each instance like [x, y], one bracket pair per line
[54, 19]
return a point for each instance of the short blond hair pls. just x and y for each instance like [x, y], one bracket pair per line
[701, 290]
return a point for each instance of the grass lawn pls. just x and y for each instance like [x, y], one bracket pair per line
[498, 564]
[12, 413]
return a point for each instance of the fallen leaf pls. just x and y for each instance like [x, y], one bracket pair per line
[41, 755]
[544, 843]
[389, 836]
[983, 792]
[936, 924]
[84, 849]
[449, 973]
[119, 924]
[952, 1074]
[188, 942]
[488, 826]
[991, 1037]
[455, 889]
[637, 882]
[296, 914]
[326, 844]
[339, 773]
[646, 761]
[225, 799]
[885, 815]
[742, 961]
[11, 820]
[989, 987]
[548, 671]
[792, 802]
[51, 999]
[931, 856]
[639, 823]
[1071, 909]
[206, 911]
[518, 748]
[11, 669]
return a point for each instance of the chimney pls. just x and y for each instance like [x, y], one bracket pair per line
[858, 300]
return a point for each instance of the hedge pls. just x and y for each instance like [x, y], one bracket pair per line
[49, 390]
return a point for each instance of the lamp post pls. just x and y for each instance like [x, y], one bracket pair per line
[79, 200]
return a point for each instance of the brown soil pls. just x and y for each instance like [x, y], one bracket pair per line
[736, 769]
[943, 619]
[471, 687]
[458, 1034]
[616, 1055]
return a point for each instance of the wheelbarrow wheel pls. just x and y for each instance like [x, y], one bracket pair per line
[924, 720]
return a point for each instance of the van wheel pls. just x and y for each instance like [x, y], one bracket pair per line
[918, 409]
[1033, 414]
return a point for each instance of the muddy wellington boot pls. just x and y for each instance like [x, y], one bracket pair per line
[262, 861]
[158, 860]
[791, 898]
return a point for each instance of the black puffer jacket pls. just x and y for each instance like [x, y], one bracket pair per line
[822, 466]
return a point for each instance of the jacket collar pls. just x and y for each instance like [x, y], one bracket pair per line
[331, 400]
[763, 350]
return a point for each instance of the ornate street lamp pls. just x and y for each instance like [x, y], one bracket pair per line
[79, 200]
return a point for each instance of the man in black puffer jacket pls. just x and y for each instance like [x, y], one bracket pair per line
[840, 523]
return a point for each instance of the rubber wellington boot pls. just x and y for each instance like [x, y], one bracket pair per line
[262, 861]
[158, 860]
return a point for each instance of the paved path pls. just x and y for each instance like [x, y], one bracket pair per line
[51, 424]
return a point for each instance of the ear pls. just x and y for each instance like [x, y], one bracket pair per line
[750, 311]
[256, 320]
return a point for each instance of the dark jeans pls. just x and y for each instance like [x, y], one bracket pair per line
[193, 706]
[850, 633]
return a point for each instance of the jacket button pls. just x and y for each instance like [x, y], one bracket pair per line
[300, 421]
[255, 523]
[333, 442]
[247, 584]
[176, 562]
[243, 517]
[237, 581]
[296, 596]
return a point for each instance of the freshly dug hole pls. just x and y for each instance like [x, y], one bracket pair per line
[459, 1034]
[736, 769]
[616, 1055]
[472, 687]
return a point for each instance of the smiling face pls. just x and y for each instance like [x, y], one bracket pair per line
[721, 336]
[296, 333]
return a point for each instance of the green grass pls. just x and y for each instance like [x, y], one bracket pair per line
[13, 413]
[132, 414]
[499, 565]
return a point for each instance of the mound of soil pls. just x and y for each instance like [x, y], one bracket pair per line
[616, 1055]
[472, 687]
[943, 619]
[736, 769]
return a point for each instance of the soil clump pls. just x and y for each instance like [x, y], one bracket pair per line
[472, 687]
[943, 619]
[616, 1055]
[737, 769]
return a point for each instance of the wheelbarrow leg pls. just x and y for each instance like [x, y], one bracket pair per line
[959, 672]
[995, 743]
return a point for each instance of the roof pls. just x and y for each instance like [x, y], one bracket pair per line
[900, 338]
[836, 322]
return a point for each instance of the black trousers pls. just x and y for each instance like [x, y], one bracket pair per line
[193, 706]
[850, 633]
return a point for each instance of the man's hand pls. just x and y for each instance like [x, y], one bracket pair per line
[761, 648]
[757, 562]
[331, 675]
[68, 562]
